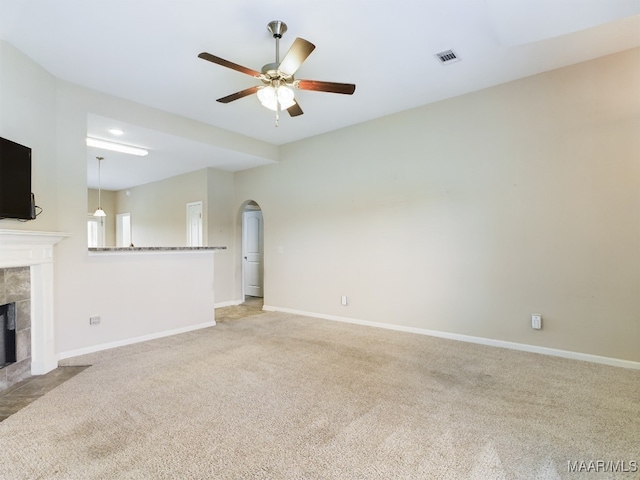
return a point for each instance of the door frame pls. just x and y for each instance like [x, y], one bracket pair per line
[120, 227]
[248, 206]
[100, 230]
[200, 240]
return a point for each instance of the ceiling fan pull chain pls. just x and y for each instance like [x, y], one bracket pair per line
[276, 84]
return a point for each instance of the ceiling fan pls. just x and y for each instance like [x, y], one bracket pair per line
[278, 79]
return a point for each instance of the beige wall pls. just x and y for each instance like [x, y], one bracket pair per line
[464, 216]
[471, 214]
[220, 230]
[158, 216]
[28, 116]
[159, 209]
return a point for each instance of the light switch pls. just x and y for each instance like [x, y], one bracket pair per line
[536, 321]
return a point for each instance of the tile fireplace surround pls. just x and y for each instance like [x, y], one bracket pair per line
[33, 249]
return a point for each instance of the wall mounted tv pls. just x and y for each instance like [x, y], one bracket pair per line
[16, 199]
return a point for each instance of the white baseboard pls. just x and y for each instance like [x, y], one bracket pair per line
[229, 303]
[130, 341]
[615, 362]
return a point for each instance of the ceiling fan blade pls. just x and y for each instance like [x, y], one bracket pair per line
[235, 96]
[331, 87]
[295, 110]
[228, 64]
[297, 54]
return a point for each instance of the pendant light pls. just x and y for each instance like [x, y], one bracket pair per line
[99, 212]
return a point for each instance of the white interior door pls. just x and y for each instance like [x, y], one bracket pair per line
[252, 246]
[194, 224]
[123, 230]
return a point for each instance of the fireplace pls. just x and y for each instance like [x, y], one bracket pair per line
[7, 334]
[26, 280]
[15, 325]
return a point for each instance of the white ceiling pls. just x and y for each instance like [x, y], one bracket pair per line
[146, 51]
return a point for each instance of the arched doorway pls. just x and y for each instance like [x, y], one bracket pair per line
[252, 251]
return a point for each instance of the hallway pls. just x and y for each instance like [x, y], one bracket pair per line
[251, 306]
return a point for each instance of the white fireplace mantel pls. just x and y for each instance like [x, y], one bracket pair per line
[30, 248]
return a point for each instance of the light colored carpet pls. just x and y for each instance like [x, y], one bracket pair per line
[278, 396]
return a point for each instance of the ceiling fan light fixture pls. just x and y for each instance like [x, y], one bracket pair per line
[270, 97]
[276, 93]
[285, 96]
[267, 95]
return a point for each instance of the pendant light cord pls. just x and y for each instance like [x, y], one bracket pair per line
[99, 183]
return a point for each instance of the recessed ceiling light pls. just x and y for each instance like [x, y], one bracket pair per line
[116, 147]
[115, 131]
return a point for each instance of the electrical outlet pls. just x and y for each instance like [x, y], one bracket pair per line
[536, 321]
[343, 300]
[94, 320]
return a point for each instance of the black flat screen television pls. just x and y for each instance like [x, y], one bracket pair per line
[16, 199]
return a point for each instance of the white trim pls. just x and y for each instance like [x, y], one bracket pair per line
[100, 231]
[228, 303]
[614, 362]
[123, 229]
[199, 240]
[34, 249]
[22, 248]
[130, 341]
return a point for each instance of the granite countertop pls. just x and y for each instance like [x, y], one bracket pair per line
[153, 249]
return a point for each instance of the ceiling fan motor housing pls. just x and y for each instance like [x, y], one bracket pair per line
[270, 73]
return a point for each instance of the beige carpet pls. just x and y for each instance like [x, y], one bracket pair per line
[277, 396]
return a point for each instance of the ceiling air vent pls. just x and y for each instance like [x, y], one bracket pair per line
[447, 57]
